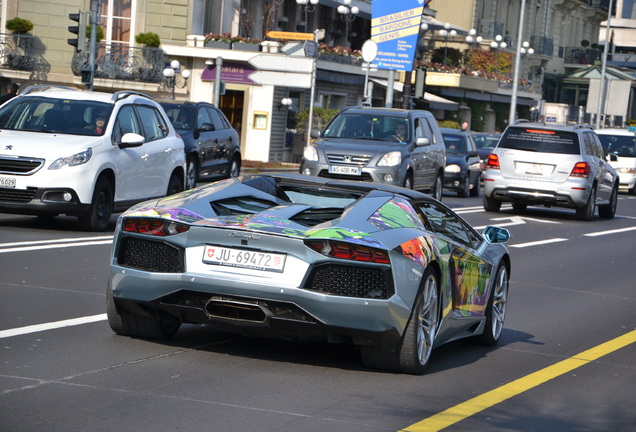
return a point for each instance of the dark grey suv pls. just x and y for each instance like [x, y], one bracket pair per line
[384, 145]
[212, 145]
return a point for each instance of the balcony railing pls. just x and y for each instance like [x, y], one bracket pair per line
[542, 45]
[576, 55]
[123, 63]
[16, 52]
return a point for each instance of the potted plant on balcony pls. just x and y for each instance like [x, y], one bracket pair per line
[218, 41]
[19, 25]
[150, 40]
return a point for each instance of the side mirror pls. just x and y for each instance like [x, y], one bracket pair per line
[131, 140]
[315, 133]
[612, 157]
[494, 234]
[206, 127]
[422, 141]
[472, 154]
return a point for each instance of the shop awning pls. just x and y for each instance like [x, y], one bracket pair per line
[434, 101]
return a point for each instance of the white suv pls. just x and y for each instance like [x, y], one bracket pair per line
[87, 154]
[561, 166]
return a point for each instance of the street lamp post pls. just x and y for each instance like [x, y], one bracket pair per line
[308, 6]
[445, 33]
[496, 45]
[515, 78]
[472, 40]
[348, 14]
[170, 74]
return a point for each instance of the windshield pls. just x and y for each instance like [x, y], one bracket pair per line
[486, 141]
[620, 145]
[179, 115]
[455, 144]
[39, 114]
[369, 127]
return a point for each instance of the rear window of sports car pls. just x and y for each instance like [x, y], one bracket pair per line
[540, 140]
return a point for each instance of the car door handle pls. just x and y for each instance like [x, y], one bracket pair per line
[168, 150]
[145, 156]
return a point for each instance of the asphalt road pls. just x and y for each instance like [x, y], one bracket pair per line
[566, 361]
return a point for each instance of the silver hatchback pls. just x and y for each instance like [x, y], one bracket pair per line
[561, 166]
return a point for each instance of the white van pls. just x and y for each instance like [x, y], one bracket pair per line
[622, 143]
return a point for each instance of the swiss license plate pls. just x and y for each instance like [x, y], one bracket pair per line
[532, 168]
[349, 170]
[7, 182]
[243, 258]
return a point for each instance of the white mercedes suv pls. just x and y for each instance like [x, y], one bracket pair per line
[86, 154]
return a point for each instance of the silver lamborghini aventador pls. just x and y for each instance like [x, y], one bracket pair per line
[390, 270]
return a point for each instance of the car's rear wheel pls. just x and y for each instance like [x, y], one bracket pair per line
[491, 204]
[586, 212]
[234, 169]
[438, 187]
[496, 308]
[134, 325]
[414, 352]
[192, 172]
[101, 208]
[474, 192]
[408, 181]
[465, 190]
[174, 185]
[608, 211]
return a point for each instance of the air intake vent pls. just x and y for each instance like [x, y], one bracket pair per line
[151, 256]
[348, 281]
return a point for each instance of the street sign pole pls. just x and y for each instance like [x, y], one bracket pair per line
[318, 35]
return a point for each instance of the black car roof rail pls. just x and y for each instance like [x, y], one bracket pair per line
[126, 93]
[42, 87]
[583, 126]
[519, 121]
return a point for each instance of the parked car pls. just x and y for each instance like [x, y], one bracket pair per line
[485, 143]
[212, 145]
[86, 154]
[290, 256]
[622, 144]
[463, 172]
[362, 144]
[562, 166]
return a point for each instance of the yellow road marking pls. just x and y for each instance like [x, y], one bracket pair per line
[466, 409]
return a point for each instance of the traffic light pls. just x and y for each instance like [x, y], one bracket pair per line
[87, 76]
[81, 19]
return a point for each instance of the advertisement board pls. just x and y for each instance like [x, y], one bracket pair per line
[395, 27]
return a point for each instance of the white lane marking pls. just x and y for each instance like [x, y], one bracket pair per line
[538, 243]
[50, 326]
[53, 241]
[615, 231]
[53, 246]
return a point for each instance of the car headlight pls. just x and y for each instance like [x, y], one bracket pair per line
[76, 159]
[631, 171]
[391, 159]
[310, 153]
[453, 168]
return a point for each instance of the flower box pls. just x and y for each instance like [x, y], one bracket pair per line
[242, 46]
[218, 45]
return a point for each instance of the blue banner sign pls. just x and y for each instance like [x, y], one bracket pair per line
[395, 27]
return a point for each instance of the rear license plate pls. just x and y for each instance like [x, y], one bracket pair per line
[348, 170]
[217, 255]
[7, 182]
[531, 168]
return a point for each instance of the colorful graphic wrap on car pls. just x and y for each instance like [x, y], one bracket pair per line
[268, 223]
[396, 213]
[472, 277]
[419, 249]
[174, 214]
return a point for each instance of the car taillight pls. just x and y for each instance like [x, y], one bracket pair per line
[348, 251]
[581, 169]
[493, 161]
[154, 227]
